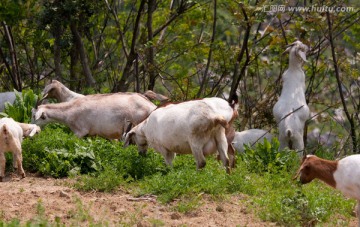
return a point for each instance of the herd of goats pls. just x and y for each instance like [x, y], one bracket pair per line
[199, 127]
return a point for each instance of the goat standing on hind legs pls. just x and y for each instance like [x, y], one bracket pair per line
[10, 140]
[291, 110]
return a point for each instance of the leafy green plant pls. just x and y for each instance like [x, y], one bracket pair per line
[56, 153]
[267, 157]
[20, 110]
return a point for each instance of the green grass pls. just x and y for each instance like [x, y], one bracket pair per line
[263, 174]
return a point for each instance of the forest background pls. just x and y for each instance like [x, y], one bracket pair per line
[191, 49]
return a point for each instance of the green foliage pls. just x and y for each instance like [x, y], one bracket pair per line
[57, 153]
[266, 178]
[266, 157]
[20, 110]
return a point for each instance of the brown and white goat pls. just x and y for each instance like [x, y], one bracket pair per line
[343, 174]
[10, 141]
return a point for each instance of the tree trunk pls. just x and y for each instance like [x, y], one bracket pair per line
[150, 52]
[244, 50]
[123, 83]
[57, 53]
[74, 68]
[13, 68]
[90, 81]
[350, 118]
[205, 77]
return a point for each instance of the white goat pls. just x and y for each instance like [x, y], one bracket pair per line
[10, 140]
[6, 97]
[249, 137]
[292, 102]
[59, 91]
[105, 115]
[191, 127]
[29, 130]
[343, 174]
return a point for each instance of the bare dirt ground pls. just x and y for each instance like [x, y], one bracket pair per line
[35, 198]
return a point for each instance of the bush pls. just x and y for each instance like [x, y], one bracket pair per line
[266, 157]
[20, 110]
[57, 153]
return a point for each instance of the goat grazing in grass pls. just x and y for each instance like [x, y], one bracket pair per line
[343, 174]
[193, 127]
[105, 115]
[291, 110]
[59, 91]
[11, 135]
[249, 137]
[29, 130]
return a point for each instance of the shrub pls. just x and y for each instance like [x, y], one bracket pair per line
[20, 110]
[54, 152]
[266, 157]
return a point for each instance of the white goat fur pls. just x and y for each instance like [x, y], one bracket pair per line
[192, 127]
[292, 97]
[343, 174]
[249, 137]
[6, 97]
[59, 91]
[29, 130]
[105, 115]
[10, 141]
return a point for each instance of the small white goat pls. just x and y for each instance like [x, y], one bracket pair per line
[249, 137]
[292, 102]
[343, 174]
[105, 115]
[6, 97]
[29, 130]
[10, 141]
[191, 127]
[59, 91]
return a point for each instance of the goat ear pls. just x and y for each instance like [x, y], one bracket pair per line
[304, 157]
[40, 115]
[301, 52]
[287, 50]
[128, 137]
[33, 132]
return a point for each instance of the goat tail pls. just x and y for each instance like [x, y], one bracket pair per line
[220, 120]
[5, 129]
[233, 100]
[288, 133]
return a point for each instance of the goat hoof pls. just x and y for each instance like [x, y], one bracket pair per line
[228, 170]
[1, 179]
[201, 165]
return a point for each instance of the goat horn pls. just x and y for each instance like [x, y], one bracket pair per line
[296, 175]
[38, 102]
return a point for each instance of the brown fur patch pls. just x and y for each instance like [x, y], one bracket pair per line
[314, 167]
